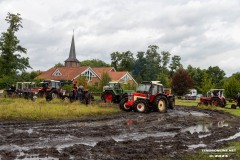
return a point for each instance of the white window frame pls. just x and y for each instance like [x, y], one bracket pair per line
[57, 73]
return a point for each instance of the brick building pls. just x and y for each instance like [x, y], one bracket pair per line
[73, 69]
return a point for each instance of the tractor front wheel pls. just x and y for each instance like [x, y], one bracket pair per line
[161, 104]
[108, 97]
[123, 106]
[141, 106]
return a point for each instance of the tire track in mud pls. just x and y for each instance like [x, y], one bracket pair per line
[123, 136]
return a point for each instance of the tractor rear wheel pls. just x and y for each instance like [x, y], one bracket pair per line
[108, 96]
[216, 102]
[141, 106]
[161, 104]
[123, 106]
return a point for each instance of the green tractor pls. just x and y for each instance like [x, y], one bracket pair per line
[114, 93]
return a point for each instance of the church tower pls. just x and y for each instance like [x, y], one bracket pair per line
[72, 61]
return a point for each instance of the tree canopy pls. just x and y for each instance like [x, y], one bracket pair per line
[181, 82]
[11, 60]
[94, 63]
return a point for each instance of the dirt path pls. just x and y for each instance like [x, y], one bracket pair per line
[123, 136]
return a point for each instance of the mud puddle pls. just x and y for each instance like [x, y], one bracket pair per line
[146, 136]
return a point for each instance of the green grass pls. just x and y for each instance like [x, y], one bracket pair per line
[22, 109]
[233, 153]
[190, 103]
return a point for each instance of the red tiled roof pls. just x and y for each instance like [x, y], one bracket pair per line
[115, 76]
[68, 73]
[101, 70]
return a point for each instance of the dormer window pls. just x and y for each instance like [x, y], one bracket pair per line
[57, 73]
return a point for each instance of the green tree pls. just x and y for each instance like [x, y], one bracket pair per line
[139, 67]
[197, 76]
[175, 64]
[152, 66]
[206, 84]
[165, 61]
[181, 82]
[104, 80]
[59, 65]
[236, 75]
[11, 60]
[217, 75]
[123, 61]
[164, 79]
[127, 61]
[115, 58]
[94, 63]
[232, 87]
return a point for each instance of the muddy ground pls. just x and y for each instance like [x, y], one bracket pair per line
[123, 136]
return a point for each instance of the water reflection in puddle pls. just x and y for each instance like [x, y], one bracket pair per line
[139, 136]
[204, 127]
[188, 113]
[36, 157]
[237, 135]
[194, 146]
[198, 128]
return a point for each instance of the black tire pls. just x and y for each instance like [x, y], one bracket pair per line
[54, 94]
[216, 102]
[108, 96]
[49, 97]
[40, 94]
[122, 105]
[141, 106]
[161, 104]
[65, 98]
[72, 96]
[224, 103]
[233, 106]
[171, 103]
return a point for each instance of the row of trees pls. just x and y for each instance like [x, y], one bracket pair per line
[146, 66]
[149, 65]
[155, 65]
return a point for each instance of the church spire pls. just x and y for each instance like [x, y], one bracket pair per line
[72, 61]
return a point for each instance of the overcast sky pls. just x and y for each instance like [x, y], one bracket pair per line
[203, 32]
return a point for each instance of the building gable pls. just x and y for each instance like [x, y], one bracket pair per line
[88, 73]
[57, 73]
[124, 79]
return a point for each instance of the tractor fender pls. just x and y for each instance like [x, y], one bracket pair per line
[124, 95]
[159, 95]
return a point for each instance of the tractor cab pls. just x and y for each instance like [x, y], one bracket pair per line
[216, 93]
[150, 89]
[115, 86]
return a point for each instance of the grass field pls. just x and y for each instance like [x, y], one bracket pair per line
[22, 109]
[191, 103]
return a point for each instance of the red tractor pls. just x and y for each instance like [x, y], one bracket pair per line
[149, 96]
[215, 97]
